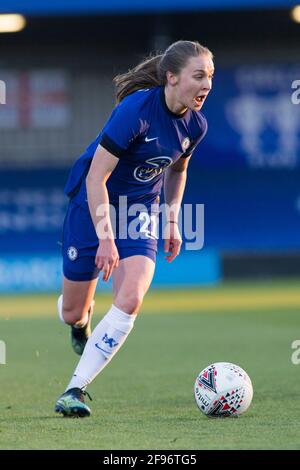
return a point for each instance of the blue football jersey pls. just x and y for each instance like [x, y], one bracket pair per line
[147, 138]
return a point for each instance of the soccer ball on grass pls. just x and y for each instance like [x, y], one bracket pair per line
[223, 389]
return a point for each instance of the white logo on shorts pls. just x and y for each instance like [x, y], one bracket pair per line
[72, 253]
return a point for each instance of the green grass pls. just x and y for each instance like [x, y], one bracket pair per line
[144, 398]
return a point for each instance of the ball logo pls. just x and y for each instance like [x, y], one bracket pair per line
[185, 143]
[151, 168]
[208, 378]
[72, 253]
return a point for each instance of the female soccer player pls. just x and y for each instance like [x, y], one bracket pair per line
[150, 134]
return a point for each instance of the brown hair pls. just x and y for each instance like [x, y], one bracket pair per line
[151, 72]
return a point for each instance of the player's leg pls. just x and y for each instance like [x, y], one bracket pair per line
[75, 308]
[131, 281]
[79, 246]
[76, 300]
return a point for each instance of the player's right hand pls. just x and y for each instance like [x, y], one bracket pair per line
[107, 258]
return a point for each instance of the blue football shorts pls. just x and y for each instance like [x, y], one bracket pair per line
[80, 241]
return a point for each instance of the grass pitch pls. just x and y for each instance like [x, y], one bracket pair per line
[144, 398]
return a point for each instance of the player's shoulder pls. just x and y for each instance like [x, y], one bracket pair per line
[197, 126]
[201, 119]
[139, 99]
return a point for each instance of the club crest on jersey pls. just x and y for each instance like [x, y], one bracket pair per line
[151, 168]
[185, 143]
[72, 253]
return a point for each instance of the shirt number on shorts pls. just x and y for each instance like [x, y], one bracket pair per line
[149, 225]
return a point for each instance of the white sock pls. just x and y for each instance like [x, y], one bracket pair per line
[105, 341]
[60, 308]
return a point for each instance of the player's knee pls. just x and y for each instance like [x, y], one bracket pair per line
[130, 302]
[71, 314]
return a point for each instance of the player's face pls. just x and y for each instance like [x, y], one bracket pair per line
[194, 82]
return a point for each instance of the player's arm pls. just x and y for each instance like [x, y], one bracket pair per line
[174, 185]
[102, 166]
[122, 128]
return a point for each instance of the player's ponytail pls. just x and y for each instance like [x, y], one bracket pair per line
[144, 75]
[152, 71]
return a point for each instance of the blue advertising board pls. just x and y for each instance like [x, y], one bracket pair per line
[253, 115]
[32, 209]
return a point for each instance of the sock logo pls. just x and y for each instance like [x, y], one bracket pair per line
[110, 341]
[107, 341]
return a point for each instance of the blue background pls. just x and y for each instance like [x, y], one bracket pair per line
[250, 206]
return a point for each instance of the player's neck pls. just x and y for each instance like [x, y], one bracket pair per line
[172, 103]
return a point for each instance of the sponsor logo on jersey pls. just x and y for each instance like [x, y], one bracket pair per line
[151, 168]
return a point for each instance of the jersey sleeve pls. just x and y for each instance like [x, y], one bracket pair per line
[195, 142]
[123, 127]
[189, 151]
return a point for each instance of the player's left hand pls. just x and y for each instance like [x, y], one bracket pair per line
[173, 241]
